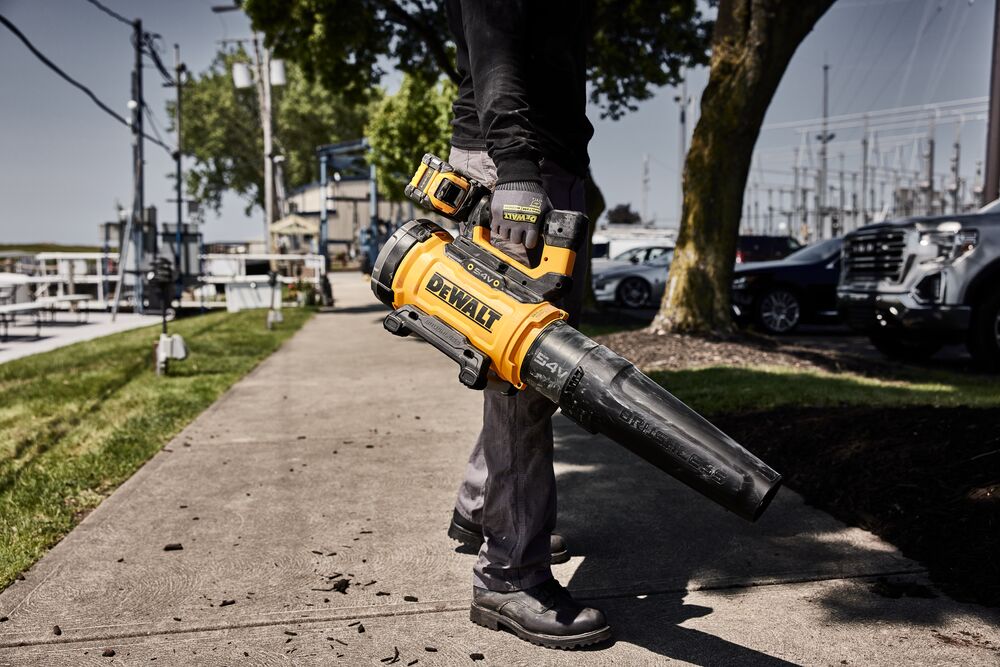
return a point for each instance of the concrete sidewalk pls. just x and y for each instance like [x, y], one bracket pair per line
[64, 329]
[335, 464]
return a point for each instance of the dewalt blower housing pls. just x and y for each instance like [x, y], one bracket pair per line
[494, 316]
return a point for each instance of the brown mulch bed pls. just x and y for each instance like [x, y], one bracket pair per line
[652, 352]
[925, 479]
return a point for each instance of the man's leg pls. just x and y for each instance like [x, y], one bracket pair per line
[470, 494]
[515, 445]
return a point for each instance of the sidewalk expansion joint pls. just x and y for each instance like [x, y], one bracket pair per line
[441, 606]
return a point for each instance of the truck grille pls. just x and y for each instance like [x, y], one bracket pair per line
[874, 256]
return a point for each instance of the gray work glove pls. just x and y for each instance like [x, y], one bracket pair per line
[517, 212]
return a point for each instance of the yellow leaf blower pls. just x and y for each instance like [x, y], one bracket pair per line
[494, 316]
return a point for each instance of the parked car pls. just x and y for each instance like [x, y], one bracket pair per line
[780, 295]
[639, 255]
[634, 279]
[753, 248]
[915, 284]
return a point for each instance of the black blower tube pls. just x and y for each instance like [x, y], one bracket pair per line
[605, 393]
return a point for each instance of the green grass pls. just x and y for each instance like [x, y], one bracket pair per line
[78, 421]
[728, 390]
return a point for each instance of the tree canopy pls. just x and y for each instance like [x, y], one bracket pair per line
[637, 45]
[406, 125]
[622, 214]
[221, 130]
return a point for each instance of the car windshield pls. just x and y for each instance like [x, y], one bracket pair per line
[816, 251]
[662, 259]
[629, 254]
[992, 207]
[642, 255]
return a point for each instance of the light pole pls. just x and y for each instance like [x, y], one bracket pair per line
[268, 73]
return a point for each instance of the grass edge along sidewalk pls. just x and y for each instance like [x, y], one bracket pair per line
[76, 422]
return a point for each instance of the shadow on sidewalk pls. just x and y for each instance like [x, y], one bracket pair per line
[642, 534]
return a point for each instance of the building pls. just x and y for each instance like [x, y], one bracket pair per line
[348, 212]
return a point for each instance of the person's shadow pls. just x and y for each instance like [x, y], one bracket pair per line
[646, 540]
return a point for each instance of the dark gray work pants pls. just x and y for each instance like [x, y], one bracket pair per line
[509, 485]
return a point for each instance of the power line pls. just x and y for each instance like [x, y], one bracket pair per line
[73, 82]
[153, 122]
[148, 39]
[874, 116]
[110, 12]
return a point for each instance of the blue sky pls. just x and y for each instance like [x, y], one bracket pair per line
[64, 163]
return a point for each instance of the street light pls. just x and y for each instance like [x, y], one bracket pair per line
[245, 77]
[241, 75]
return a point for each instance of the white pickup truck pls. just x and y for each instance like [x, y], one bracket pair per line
[916, 284]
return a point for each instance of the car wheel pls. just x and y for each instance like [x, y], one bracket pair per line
[633, 293]
[905, 348]
[984, 335]
[779, 311]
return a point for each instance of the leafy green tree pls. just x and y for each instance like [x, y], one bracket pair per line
[222, 131]
[753, 43]
[636, 46]
[623, 215]
[406, 125]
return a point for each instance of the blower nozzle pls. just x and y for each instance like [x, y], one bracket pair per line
[606, 394]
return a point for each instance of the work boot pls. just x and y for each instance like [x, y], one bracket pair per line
[471, 533]
[545, 614]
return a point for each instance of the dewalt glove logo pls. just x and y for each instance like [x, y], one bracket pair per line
[521, 213]
[462, 301]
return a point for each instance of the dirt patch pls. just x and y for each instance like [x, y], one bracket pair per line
[652, 352]
[925, 479]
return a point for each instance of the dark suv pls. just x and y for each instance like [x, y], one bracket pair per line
[764, 248]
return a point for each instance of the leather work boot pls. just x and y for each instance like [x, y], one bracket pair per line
[470, 533]
[545, 615]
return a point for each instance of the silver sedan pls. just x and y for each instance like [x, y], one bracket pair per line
[631, 283]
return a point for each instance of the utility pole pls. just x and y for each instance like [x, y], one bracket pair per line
[683, 101]
[824, 139]
[953, 186]
[839, 228]
[864, 174]
[770, 210]
[262, 62]
[139, 158]
[991, 188]
[178, 233]
[645, 188]
[854, 201]
[929, 179]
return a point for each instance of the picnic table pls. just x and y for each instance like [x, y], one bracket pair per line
[50, 304]
[38, 308]
[10, 311]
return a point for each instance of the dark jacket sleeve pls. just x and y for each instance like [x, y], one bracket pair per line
[497, 34]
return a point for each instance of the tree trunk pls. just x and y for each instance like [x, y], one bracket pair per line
[753, 42]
